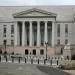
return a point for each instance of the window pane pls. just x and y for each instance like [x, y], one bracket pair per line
[34, 52]
[41, 52]
[58, 30]
[12, 29]
[26, 52]
[12, 42]
[66, 30]
[4, 30]
[5, 42]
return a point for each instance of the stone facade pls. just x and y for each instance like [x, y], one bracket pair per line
[36, 25]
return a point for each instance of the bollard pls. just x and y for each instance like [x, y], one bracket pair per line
[31, 61]
[25, 60]
[38, 61]
[19, 60]
[51, 62]
[12, 59]
[57, 62]
[44, 61]
[6, 58]
[0, 58]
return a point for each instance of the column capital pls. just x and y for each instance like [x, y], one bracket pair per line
[46, 21]
[23, 21]
[30, 21]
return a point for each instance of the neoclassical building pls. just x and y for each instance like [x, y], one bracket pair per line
[37, 30]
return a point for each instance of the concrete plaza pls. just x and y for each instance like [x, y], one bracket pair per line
[28, 69]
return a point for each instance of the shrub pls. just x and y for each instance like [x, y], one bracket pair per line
[68, 65]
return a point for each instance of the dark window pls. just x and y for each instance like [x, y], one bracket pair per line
[4, 29]
[12, 42]
[66, 30]
[5, 42]
[58, 30]
[34, 52]
[26, 52]
[12, 29]
[41, 52]
[61, 50]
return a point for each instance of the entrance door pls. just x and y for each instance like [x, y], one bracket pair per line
[26, 52]
[34, 52]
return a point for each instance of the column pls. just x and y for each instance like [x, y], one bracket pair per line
[46, 33]
[53, 34]
[38, 33]
[30, 33]
[15, 37]
[23, 33]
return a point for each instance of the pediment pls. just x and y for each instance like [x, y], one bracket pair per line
[34, 13]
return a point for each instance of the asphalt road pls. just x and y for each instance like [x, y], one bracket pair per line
[28, 69]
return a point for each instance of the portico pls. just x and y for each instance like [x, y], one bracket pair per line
[34, 27]
[34, 33]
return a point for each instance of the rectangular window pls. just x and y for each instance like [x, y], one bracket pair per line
[58, 42]
[12, 42]
[66, 41]
[12, 29]
[66, 30]
[41, 52]
[58, 30]
[4, 42]
[4, 30]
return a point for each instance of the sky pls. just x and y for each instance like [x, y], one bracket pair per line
[36, 2]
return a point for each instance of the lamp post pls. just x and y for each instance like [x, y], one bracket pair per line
[13, 50]
[46, 43]
[5, 48]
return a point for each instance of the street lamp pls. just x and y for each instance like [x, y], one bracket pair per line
[5, 48]
[46, 43]
[13, 50]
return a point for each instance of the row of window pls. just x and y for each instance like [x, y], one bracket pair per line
[58, 30]
[5, 42]
[66, 30]
[33, 52]
[58, 41]
[12, 42]
[5, 31]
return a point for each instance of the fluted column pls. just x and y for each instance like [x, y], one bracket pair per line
[30, 33]
[15, 29]
[38, 33]
[23, 33]
[46, 33]
[53, 34]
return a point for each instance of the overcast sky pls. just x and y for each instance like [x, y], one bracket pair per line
[36, 2]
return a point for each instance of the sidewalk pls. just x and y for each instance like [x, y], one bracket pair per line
[70, 71]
